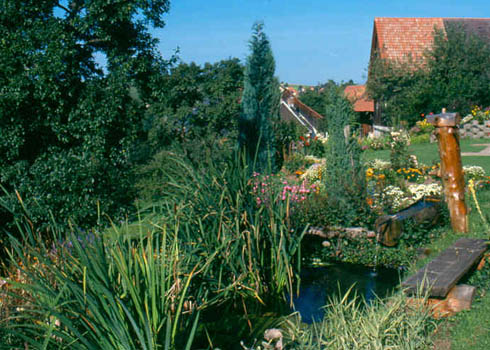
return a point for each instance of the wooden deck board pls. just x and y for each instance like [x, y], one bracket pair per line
[443, 272]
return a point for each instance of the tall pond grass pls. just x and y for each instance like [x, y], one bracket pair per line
[143, 284]
[350, 323]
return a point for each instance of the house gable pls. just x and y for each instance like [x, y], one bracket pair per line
[399, 39]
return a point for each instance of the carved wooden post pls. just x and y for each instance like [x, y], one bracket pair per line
[451, 168]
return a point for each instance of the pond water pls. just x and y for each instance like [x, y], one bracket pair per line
[228, 324]
[320, 283]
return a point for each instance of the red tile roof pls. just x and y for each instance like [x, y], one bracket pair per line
[400, 38]
[357, 95]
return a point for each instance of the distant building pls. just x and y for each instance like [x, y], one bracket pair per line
[292, 109]
[399, 39]
[362, 105]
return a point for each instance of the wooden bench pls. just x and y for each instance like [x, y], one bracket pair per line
[441, 274]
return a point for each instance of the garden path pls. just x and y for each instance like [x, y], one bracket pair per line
[484, 152]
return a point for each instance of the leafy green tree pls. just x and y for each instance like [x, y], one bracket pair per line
[260, 103]
[458, 70]
[193, 112]
[67, 126]
[400, 89]
[191, 104]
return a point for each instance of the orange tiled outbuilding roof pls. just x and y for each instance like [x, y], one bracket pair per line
[400, 38]
[357, 95]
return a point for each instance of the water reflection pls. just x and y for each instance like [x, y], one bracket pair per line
[318, 283]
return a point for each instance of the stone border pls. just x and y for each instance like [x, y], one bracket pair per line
[475, 130]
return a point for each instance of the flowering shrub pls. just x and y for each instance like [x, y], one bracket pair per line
[378, 164]
[474, 172]
[273, 188]
[425, 127]
[399, 141]
[477, 113]
[315, 172]
[312, 145]
[411, 174]
[375, 143]
[394, 198]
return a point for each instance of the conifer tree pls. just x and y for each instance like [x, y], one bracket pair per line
[260, 103]
[344, 178]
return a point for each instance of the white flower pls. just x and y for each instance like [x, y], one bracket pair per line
[378, 164]
[423, 190]
[314, 172]
[474, 171]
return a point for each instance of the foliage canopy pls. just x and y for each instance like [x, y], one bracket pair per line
[68, 126]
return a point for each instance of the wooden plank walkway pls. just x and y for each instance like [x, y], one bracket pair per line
[442, 273]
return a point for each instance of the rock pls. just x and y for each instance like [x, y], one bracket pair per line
[273, 335]
[459, 298]
[341, 232]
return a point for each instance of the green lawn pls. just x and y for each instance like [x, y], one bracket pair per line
[427, 153]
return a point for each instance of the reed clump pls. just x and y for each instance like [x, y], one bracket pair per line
[144, 283]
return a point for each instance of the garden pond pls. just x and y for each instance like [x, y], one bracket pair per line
[318, 285]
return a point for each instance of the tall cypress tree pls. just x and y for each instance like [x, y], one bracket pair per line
[260, 103]
[344, 176]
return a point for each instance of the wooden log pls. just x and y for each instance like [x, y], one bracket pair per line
[389, 228]
[451, 167]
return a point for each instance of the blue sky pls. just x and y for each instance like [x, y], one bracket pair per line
[312, 41]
